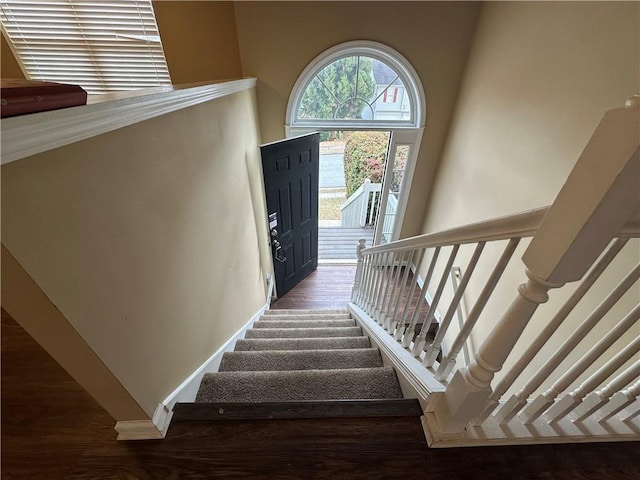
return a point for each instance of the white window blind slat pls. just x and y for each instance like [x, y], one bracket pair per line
[103, 46]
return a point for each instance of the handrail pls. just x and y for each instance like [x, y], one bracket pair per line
[519, 225]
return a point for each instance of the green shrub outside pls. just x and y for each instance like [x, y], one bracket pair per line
[364, 157]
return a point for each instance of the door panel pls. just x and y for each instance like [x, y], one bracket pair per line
[290, 171]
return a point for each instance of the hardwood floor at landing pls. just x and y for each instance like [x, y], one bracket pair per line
[329, 286]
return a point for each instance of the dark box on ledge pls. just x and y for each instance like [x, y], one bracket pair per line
[31, 96]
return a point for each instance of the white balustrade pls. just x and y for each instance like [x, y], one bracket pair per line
[403, 315]
[397, 326]
[434, 348]
[356, 282]
[510, 409]
[359, 209]
[567, 403]
[519, 400]
[448, 363]
[389, 300]
[618, 402]
[410, 330]
[575, 239]
[594, 400]
[420, 340]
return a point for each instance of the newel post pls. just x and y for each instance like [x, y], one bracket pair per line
[356, 281]
[600, 195]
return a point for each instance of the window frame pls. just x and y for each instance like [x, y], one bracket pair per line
[379, 51]
[403, 133]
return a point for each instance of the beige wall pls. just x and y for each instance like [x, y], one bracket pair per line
[539, 78]
[9, 67]
[148, 239]
[279, 39]
[45, 323]
[199, 40]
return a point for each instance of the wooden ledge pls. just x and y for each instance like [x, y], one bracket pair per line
[28, 135]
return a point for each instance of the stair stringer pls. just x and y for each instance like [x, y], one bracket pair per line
[415, 380]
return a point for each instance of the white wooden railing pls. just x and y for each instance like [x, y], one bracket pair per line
[401, 287]
[359, 209]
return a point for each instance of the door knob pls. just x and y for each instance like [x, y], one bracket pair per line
[278, 253]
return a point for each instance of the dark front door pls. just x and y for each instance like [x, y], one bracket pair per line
[290, 170]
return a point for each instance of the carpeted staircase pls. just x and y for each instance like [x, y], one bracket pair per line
[301, 363]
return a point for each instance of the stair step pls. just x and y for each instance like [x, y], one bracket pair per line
[355, 384]
[304, 311]
[307, 317]
[300, 360]
[303, 332]
[202, 412]
[259, 344]
[304, 323]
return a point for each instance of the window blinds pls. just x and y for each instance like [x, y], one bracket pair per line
[104, 46]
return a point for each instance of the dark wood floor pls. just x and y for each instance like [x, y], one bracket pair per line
[327, 287]
[52, 429]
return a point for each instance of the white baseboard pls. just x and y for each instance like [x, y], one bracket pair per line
[187, 390]
[541, 431]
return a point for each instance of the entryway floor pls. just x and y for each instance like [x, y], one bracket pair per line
[327, 287]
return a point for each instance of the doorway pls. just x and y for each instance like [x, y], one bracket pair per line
[290, 175]
[360, 89]
[352, 167]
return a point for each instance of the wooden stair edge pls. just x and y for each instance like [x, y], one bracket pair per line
[303, 409]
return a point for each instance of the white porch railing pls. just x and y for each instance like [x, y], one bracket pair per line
[574, 240]
[359, 209]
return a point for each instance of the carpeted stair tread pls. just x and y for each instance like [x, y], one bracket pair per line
[305, 311]
[304, 323]
[301, 360]
[332, 343]
[303, 332]
[270, 386]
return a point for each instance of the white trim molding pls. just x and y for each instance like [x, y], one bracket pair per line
[137, 430]
[368, 48]
[415, 378]
[403, 132]
[27, 135]
[188, 389]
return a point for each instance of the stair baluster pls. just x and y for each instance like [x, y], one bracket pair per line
[410, 330]
[433, 350]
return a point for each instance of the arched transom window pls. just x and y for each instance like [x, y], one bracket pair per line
[357, 84]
